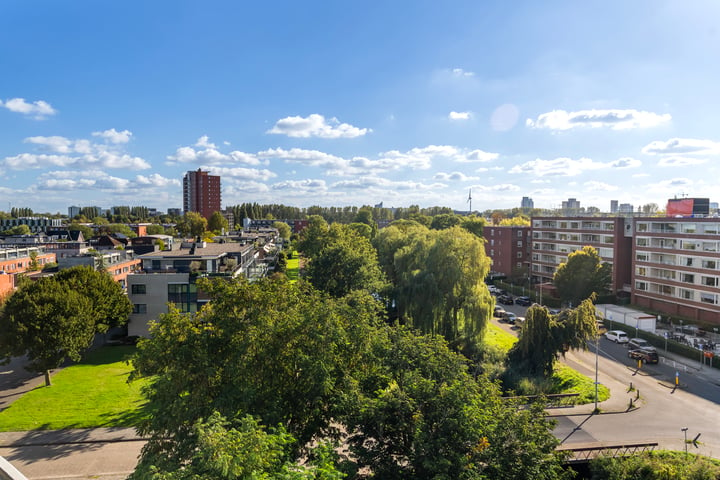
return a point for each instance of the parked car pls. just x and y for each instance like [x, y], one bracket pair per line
[505, 299]
[554, 311]
[509, 317]
[525, 301]
[635, 343]
[499, 311]
[647, 355]
[617, 336]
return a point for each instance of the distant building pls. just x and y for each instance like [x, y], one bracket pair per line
[527, 202]
[35, 224]
[175, 212]
[73, 212]
[613, 206]
[626, 208]
[571, 205]
[201, 193]
[688, 207]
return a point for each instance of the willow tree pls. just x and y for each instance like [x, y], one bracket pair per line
[544, 337]
[439, 281]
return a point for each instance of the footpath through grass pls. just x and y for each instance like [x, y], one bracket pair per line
[92, 393]
[293, 268]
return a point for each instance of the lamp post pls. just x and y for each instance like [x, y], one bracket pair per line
[685, 432]
[597, 354]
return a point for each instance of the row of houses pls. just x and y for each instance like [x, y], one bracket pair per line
[667, 264]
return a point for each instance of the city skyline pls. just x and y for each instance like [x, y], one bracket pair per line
[333, 105]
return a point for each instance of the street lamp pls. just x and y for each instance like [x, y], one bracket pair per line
[685, 432]
[597, 353]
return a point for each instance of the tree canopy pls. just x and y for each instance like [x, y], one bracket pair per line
[55, 318]
[217, 223]
[192, 223]
[583, 274]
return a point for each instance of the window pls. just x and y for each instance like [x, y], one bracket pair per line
[641, 285]
[519, 255]
[519, 233]
[709, 264]
[687, 278]
[708, 298]
[519, 243]
[641, 242]
[641, 257]
[492, 243]
[685, 294]
[139, 289]
[641, 271]
[710, 281]
[518, 265]
[139, 307]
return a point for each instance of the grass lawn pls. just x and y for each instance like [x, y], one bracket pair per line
[92, 393]
[564, 379]
[293, 268]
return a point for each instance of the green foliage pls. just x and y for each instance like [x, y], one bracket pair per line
[281, 352]
[18, 230]
[445, 220]
[311, 238]
[283, 230]
[155, 229]
[438, 280]
[281, 265]
[56, 318]
[666, 465]
[87, 232]
[217, 223]
[237, 449]
[345, 262]
[192, 223]
[582, 275]
[474, 225]
[518, 221]
[544, 337]
[119, 228]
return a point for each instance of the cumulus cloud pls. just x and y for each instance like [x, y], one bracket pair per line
[315, 125]
[241, 173]
[612, 118]
[313, 158]
[374, 182]
[303, 185]
[113, 136]
[500, 187]
[81, 153]
[459, 115]
[560, 167]
[453, 176]
[38, 109]
[82, 179]
[208, 153]
[156, 180]
[680, 146]
[625, 162]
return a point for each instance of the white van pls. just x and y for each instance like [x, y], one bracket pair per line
[617, 336]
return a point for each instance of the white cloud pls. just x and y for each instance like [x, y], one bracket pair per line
[241, 173]
[313, 158]
[38, 109]
[561, 167]
[113, 136]
[156, 180]
[613, 118]
[478, 156]
[209, 154]
[500, 187]
[680, 161]
[315, 125]
[377, 182]
[453, 176]
[73, 153]
[459, 72]
[596, 186]
[82, 179]
[303, 185]
[459, 115]
[625, 162]
[680, 146]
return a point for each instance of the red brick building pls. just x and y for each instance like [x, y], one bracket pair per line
[201, 193]
[509, 249]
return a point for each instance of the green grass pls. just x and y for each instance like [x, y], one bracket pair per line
[293, 268]
[567, 380]
[92, 393]
[494, 335]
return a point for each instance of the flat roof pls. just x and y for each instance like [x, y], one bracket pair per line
[209, 250]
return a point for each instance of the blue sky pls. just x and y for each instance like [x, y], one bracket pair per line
[356, 103]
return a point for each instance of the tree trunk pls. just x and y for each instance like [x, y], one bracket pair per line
[47, 378]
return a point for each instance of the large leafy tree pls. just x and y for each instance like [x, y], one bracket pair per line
[311, 237]
[583, 274]
[217, 223]
[345, 262]
[438, 280]
[283, 353]
[545, 337]
[192, 223]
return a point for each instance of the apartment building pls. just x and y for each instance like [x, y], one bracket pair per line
[554, 238]
[509, 249]
[16, 260]
[201, 193]
[118, 263]
[35, 224]
[676, 266]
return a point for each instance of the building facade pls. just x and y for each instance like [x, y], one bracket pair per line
[554, 238]
[201, 193]
[676, 266]
[35, 224]
[509, 249]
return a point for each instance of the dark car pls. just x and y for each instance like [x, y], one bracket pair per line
[505, 299]
[525, 301]
[646, 354]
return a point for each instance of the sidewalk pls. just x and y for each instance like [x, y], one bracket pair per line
[67, 437]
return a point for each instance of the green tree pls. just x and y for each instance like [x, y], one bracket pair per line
[283, 230]
[18, 230]
[34, 265]
[48, 323]
[346, 262]
[87, 232]
[545, 337]
[283, 353]
[155, 230]
[311, 237]
[110, 307]
[474, 225]
[192, 223]
[120, 228]
[445, 220]
[582, 275]
[217, 223]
